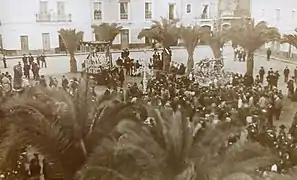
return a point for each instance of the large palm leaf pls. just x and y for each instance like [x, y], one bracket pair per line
[71, 39]
[107, 32]
[252, 37]
[216, 40]
[163, 31]
[167, 151]
[290, 39]
[65, 130]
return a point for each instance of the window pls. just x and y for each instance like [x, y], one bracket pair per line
[97, 10]
[123, 10]
[262, 13]
[43, 7]
[204, 14]
[148, 10]
[278, 14]
[188, 8]
[24, 43]
[293, 15]
[61, 7]
[171, 11]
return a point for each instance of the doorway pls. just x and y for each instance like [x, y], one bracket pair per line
[124, 38]
[46, 41]
[24, 43]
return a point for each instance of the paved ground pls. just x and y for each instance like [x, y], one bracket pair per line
[60, 65]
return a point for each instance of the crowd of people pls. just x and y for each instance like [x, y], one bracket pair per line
[232, 98]
[241, 101]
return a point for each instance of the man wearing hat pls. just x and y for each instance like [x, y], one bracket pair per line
[277, 107]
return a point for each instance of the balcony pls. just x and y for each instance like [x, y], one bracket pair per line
[148, 15]
[97, 14]
[124, 16]
[53, 18]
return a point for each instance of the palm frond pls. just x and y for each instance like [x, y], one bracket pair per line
[65, 129]
[251, 37]
[163, 31]
[248, 157]
[11, 146]
[191, 36]
[71, 39]
[107, 32]
[290, 39]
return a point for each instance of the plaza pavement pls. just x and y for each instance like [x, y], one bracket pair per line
[58, 65]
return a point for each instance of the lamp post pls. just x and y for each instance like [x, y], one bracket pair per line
[145, 69]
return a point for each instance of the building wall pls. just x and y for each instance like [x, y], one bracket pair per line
[194, 16]
[280, 14]
[20, 20]
[136, 15]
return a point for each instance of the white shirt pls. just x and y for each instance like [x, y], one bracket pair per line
[239, 103]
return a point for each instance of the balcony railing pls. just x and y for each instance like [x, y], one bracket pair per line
[97, 15]
[124, 15]
[53, 18]
[148, 15]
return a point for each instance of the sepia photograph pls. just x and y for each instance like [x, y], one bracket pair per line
[148, 90]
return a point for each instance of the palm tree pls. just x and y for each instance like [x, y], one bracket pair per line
[216, 41]
[164, 32]
[290, 39]
[252, 37]
[71, 39]
[107, 32]
[64, 129]
[191, 37]
[170, 151]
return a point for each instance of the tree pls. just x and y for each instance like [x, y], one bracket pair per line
[107, 32]
[71, 39]
[164, 32]
[64, 129]
[191, 37]
[290, 39]
[216, 41]
[252, 37]
[170, 150]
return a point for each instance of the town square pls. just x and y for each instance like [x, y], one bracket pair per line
[148, 90]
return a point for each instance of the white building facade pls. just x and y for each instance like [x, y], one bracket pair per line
[280, 14]
[135, 15]
[30, 25]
